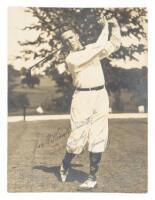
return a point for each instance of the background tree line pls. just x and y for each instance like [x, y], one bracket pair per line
[15, 100]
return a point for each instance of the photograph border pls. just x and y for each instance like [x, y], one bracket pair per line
[3, 100]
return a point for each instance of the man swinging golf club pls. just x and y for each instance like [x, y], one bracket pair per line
[90, 103]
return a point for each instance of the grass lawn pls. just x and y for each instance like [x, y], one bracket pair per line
[35, 151]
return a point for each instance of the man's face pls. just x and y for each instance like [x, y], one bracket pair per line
[72, 39]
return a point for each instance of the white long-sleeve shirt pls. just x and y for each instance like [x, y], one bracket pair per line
[85, 66]
[87, 75]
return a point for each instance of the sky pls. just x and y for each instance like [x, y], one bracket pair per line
[18, 19]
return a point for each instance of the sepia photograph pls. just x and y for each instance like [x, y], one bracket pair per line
[77, 100]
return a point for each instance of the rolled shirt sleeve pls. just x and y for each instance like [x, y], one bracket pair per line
[112, 45]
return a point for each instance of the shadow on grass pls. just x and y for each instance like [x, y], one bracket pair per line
[74, 174]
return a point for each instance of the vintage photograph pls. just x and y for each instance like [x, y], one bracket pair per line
[77, 100]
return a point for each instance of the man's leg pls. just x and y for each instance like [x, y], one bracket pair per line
[94, 164]
[98, 136]
[66, 165]
[91, 182]
[67, 160]
[80, 126]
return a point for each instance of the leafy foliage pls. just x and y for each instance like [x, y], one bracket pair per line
[133, 80]
[51, 22]
[31, 81]
[15, 100]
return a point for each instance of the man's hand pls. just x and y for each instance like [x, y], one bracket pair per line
[113, 21]
[109, 16]
[102, 20]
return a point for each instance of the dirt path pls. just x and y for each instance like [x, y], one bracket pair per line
[35, 151]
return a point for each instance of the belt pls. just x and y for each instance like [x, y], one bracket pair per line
[90, 89]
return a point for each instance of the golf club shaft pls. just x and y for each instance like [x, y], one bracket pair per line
[50, 55]
[40, 61]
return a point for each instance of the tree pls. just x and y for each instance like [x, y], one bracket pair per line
[23, 71]
[85, 20]
[51, 21]
[31, 81]
[12, 75]
[15, 100]
[18, 100]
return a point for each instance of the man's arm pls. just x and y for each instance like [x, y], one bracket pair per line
[78, 59]
[103, 37]
[115, 40]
